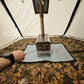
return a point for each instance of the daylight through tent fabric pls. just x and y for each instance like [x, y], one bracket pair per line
[55, 22]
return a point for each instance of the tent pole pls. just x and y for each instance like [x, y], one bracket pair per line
[9, 13]
[41, 18]
[72, 16]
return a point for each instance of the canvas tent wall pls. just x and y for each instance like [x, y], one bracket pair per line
[56, 20]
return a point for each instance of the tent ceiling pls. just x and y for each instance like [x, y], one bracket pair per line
[28, 22]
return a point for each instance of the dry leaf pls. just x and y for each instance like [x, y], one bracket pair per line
[32, 73]
[49, 66]
[55, 66]
[44, 70]
[14, 66]
[62, 76]
[20, 71]
[82, 81]
[65, 69]
[31, 67]
[74, 74]
[24, 81]
[72, 68]
[42, 75]
[57, 74]
[42, 82]
[54, 81]
[75, 82]
[59, 66]
[19, 81]
[34, 81]
[80, 49]
[68, 64]
[14, 79]
[70, 76]
[69, 70]
[38, 68]
[79, 67]
[61, 80]
[46, 64]
[16, 74]
[39, 77]
[3, 78]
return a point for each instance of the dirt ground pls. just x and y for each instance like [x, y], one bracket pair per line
[46, 72]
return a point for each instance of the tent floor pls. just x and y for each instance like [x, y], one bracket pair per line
[46, 72]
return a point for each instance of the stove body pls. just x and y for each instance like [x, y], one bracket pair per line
[43, 45]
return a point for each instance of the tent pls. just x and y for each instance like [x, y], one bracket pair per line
[18, 19]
